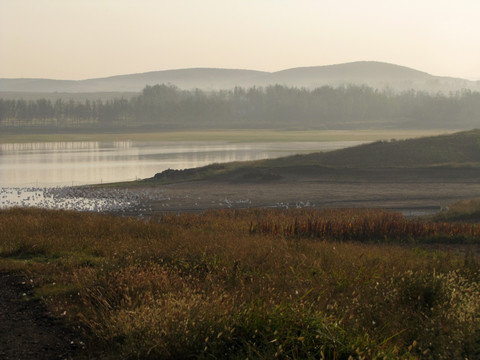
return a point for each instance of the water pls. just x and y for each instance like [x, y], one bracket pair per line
[79, 163]
[68, 198]
[45, 175]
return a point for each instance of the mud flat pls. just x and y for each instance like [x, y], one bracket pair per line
[410, 193]
[204, 196]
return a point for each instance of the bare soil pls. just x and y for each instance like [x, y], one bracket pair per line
[27, 331]
[392, 189]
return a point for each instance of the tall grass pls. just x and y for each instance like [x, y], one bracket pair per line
[366, 225]
[464, 210]
[222, 285]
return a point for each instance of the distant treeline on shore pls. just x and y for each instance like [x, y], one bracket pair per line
[276, 107]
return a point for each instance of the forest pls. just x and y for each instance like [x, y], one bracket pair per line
[275, 107]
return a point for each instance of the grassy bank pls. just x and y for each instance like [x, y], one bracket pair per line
[259, 135]
[449, 157]
[214, 285]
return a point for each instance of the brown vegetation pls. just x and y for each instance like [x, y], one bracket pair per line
[363, 225]
[210, 285]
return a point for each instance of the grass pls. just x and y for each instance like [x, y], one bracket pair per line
[366, 225]
[212, 285]
[465, 210]
[260, 135]
[458, 149]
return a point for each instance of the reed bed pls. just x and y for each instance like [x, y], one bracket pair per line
[362, 225]
[257, 284]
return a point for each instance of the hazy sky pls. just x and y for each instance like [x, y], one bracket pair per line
[79, 39]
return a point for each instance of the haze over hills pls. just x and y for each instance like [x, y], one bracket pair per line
[376, 74]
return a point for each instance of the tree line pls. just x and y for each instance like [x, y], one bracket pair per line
[281, 107]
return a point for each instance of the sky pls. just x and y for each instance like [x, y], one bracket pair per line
[82, 39]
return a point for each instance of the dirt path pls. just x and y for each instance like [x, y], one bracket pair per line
[26, 330]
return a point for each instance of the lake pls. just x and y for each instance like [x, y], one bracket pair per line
[52, 164]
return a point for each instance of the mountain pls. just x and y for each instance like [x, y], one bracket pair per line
[376, 74]
[202, 78]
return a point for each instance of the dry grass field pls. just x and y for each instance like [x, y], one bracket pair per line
[258, 284]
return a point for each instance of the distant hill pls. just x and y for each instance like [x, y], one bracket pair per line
[365, 72]
[66, 96]
[375, 74]
[202, 78]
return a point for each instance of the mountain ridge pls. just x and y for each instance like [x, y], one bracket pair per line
[371, 73]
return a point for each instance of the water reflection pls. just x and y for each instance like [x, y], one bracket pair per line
[48, 146]
[89, 162]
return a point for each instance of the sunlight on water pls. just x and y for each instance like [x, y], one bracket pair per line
[90, 162]
[67, 199]
[81, 198]
[44, 175]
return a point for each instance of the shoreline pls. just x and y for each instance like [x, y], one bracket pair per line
[424, 196]
[228, 135]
